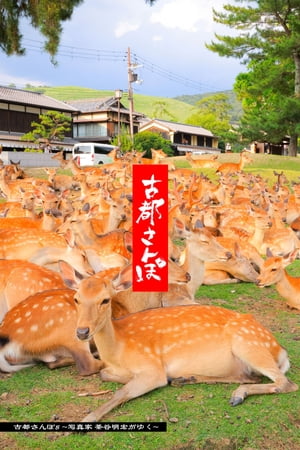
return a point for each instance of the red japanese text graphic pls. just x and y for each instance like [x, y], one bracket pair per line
[150, 227]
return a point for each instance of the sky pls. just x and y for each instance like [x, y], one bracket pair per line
[166, 42]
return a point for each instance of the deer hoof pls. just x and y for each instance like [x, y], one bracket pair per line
[234, 401]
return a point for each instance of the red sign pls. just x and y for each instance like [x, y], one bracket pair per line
[150, 228]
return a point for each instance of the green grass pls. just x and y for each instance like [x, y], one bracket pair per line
[142, 103]
[197, 416]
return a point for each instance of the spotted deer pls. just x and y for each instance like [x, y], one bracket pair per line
[43, 328]
[181, 344]
[20, 279]
[231, 167]
[273, 272]
[42, 247]
[207, 163]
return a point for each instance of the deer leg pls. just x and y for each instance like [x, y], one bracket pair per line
[195, 379]
[261, 361]
[281, 385]
[85, 361]
[138, 385]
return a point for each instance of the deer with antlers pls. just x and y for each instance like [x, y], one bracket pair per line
[183, 344]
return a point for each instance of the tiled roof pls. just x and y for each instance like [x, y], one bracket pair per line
[93, 104]
[179, 127]
[32, 98]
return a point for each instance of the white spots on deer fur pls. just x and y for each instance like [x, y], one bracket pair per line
[45, 308]
[60, 305]
[245, 330]
[18, 320]
[267, 344]
[28, 314]
[34, 328]
[61, 319]
[36, 305]
[49, 324]
[20, 330]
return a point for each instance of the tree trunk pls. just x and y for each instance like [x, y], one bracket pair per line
[294, 137]
[293, 145]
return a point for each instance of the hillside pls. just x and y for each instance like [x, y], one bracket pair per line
[142, 103]
[234, 102]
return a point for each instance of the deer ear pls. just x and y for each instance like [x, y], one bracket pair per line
[69, 275]
[123, 280]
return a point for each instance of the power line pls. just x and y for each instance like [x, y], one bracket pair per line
[98, 55]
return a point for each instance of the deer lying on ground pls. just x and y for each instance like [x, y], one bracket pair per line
[182, 344]
[43, 328]
[19, 279]
[42, 247]
[237, 268]
[273, 272]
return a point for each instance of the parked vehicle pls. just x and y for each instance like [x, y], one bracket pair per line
[91, 153]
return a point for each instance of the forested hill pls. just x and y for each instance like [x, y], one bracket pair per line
[234, 102]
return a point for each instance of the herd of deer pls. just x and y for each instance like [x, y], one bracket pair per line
[65, 276]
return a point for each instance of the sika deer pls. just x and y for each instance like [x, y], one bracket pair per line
[273, 272]
[19, 279]
[183, 344]
[42, 247]
[43, 328]
[230, 167]
[202, 163]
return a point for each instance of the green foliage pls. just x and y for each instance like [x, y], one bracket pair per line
[32, 150]
[213, 113]
[126, 144]
[267, 41]
[52, 126]
[43, 15]
[146, 140]
[160, 111]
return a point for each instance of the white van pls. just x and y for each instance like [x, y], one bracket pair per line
[91, 153]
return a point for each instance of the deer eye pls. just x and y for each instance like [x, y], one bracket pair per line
[105, 301]
[76, 300]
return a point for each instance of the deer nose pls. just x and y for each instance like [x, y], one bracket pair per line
[83, 333]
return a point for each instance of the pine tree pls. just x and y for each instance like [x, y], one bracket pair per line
[268, 42]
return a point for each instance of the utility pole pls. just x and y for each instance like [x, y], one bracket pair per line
[131, 79]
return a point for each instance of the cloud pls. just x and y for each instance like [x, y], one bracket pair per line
[178, 14]
[7, 79]
[157, 38]
[125, 27]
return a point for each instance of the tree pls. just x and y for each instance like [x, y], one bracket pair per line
[146, 140]
[268, 38]
[160, 110]
[45, 15]
[53, 126]
[213, 113]
[270, 114]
